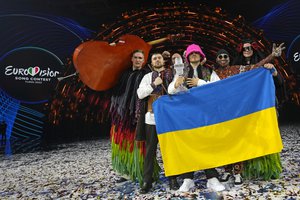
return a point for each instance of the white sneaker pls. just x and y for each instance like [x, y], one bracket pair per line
[186, 185]
[238, 180]
[214, 184]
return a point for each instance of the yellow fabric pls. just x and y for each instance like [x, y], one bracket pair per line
[240, 139]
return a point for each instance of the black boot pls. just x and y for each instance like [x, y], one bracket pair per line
[145, 188]
[173, 184]
[121, 179]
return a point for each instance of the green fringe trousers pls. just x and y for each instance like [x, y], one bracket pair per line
[265, 167]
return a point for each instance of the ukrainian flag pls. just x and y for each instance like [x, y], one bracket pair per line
[219, 123]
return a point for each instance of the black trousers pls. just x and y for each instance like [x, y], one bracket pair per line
[151, 147]
[210, 173]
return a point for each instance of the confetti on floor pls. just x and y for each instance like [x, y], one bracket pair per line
[83, 170]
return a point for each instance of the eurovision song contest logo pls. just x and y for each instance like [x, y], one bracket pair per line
[294, 55]
[29, 74]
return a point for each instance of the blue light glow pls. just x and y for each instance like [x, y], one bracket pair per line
[282, 22]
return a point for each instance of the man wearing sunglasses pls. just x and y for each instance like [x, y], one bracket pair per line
[222, 58]
[247, 60]
[248, 53]
[224, 70]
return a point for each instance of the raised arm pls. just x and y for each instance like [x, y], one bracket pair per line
[276, 52]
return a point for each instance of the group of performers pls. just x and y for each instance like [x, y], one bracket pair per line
[133, 132]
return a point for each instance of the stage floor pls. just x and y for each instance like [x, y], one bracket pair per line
[83, 170]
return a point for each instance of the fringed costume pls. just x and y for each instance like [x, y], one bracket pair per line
[265, 167]
[127, 154]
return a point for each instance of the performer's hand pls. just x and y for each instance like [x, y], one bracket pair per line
[179, 81]
[276, 51]
[157, 81]
[192, 82]
[275, 73]
[268, 65]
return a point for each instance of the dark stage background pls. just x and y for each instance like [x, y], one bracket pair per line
[70, 111]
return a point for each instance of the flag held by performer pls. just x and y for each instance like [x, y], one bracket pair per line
[217, 124]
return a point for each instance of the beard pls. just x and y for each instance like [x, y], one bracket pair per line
[157, 66]
[223, 63]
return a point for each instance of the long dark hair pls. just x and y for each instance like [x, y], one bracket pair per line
[255, 58]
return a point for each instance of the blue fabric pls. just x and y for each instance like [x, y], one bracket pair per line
[216, 102]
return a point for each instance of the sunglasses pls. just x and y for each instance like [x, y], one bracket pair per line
[221, 56]
[249, 48]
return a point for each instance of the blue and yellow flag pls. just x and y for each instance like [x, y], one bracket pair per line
[217, 124]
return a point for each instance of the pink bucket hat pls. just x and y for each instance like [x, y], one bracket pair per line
[194, 48]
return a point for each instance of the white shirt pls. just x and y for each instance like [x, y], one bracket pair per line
[172, 90]
[144, 90]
